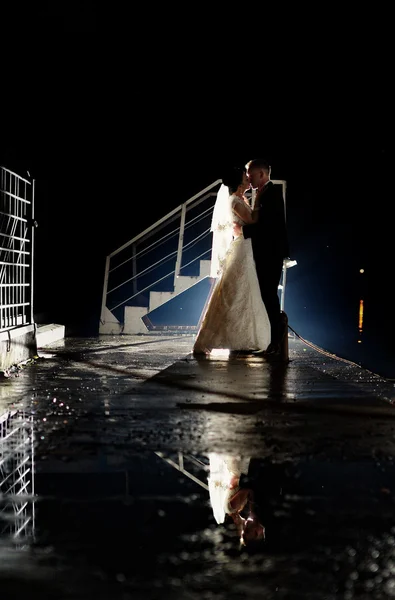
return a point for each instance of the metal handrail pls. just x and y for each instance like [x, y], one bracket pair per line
[145, 271]
[146, 250]
[151, 285]
[162, 260]
[200, 196]
[165, 218]
[162, 240]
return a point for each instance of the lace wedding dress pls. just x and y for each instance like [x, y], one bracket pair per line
[235, 318]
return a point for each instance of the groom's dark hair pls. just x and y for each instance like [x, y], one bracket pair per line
[233, 178]
[259, 163]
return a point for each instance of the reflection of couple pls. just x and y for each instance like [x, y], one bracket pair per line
[230, 499]
[249, 246]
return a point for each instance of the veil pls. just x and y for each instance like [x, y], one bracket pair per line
[222, 228]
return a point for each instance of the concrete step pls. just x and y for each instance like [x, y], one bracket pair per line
[132, 320]
[185, 282]
[48, 334]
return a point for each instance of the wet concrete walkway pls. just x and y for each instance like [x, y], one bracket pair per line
[126, 433]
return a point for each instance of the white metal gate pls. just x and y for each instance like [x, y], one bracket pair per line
[17, 518]
[16, 250]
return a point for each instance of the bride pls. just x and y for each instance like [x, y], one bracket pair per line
[235, 318]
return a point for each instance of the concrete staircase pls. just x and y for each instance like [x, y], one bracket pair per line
[133, 323]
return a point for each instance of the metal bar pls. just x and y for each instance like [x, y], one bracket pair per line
[20, 478]
[159, 262]
[10, 455]
[197, 258]
[11, 264]
[4, 285]
[105, 288]
[154, 226]
[18, 512]
[180, 244]
[23, 488]
[197, 238]
[14, 237]
[143, 290]
[197, 462]
[134, 268]
[174, 217]
[283, 283]
[12, 173]
[144, 271]
[145, 250]
[22, 527]
[13, 216]
[15, 274]
[6, 437]
[32, 254]
[163, 219]
[181, 460]
[173, 464]
[15, 197]
[33, 473]
[16, 251]
[14, 304]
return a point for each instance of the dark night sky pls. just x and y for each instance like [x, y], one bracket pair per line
[120, 118]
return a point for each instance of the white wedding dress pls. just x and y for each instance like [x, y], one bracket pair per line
[236, 317]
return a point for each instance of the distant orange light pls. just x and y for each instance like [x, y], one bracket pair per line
[362, 270]
[360, 323]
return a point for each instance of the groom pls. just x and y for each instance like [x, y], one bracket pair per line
[270, 246]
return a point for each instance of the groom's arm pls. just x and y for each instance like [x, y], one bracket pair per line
[249, 230]
[271, 219]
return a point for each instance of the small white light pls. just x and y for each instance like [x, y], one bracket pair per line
[223, 352]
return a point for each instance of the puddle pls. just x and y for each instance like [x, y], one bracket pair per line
[186, 525]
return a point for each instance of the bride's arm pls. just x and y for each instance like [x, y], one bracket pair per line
[245, 213]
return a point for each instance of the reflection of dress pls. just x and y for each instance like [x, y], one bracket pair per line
[222, 469]
[236, 318]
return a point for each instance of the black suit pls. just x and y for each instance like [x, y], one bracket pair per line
[270, 246]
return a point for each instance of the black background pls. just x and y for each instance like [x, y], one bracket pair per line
[121, 114]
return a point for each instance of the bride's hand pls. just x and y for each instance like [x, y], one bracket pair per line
[237, 230]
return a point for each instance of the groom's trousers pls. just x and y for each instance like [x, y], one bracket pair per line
[269, 276]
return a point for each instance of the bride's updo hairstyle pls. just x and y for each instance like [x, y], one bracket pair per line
[232, 178]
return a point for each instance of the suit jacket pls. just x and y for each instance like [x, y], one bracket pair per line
[269, 235]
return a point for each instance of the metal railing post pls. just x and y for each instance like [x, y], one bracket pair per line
[32, 255]
[105, 288]
[134, 269]
[284, 281]
[180, 244]
[33, 473]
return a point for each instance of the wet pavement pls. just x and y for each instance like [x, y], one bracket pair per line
[118, 456]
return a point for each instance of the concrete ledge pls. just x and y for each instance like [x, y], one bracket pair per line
[48, 334]
[17, 346]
